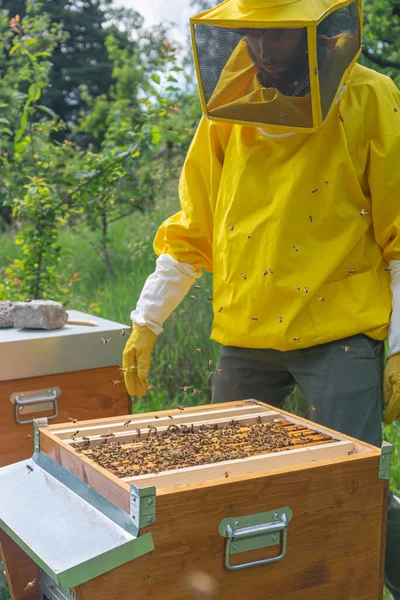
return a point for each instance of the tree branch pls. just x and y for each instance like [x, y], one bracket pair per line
[381, 62]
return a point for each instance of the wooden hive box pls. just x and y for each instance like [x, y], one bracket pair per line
[68, 371]
[316, 509]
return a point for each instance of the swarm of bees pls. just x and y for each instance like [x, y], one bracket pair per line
[179, 446]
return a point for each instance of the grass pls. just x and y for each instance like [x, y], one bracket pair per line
[175, 362]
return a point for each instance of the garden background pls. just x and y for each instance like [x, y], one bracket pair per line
[97, 111]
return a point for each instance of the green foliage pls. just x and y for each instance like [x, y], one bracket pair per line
[382, 36]
[47, 184]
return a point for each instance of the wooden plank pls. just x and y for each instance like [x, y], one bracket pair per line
[87, 470]
[130, 433]
[243, 466]
[84, 394]
[22, 573]
[334, 539]
[100, 426]
[227, 408]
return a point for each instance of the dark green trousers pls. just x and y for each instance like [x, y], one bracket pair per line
[342, 382]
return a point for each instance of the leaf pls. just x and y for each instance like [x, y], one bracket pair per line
[172, 78]
[156, 78]
[22, 127]
[4, 121]
[47, 110]
[14, 49]
[176, 69]
[6, 130]
[155, 135]
[34, 92]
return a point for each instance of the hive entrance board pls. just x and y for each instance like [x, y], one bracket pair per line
[199, 444]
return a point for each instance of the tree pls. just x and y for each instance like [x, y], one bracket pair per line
[81, 56]
[381, 39]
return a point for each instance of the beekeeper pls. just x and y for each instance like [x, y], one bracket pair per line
[290, 196]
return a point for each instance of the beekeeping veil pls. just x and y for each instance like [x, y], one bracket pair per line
[281, 63]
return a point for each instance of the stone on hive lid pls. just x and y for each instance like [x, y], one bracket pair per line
[6, 319]
[39, 314]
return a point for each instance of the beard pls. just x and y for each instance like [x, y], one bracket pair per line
[294, 70]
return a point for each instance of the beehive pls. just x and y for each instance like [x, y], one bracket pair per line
[237, 466]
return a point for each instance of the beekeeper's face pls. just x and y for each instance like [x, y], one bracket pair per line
[279, 53]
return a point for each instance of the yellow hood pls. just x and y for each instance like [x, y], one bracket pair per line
[238, 96]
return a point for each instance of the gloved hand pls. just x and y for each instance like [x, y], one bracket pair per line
[136, 359]
[391, 390]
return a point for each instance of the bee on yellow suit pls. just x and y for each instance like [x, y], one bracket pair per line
[290, 196]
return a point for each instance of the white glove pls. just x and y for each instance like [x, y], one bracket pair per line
[163, 291]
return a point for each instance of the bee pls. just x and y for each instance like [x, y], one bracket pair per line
[326, 182]
[170, 417]
[175, 453]
[298, 288]
[127, 422]
[280, 319]
[388, 269]
[271, 272]
[306, 290]
[151, 387]
[312, 409]
[75, 434]
[226, 474]
[244, 276]
[210, 362]
[346, 348]
[351, 272]
[28, 300]
[221, 309]
[314, 191]
[29, 468]
[363, 213]
[107, 435]
[86, 439]
[218, 371]
[185, 388]
[132, 368]
[180, 408]
[322, 299]
[156, 417]
[139, 433]
[282, 117]
[197, 287]
[316, 71]
[310, 217]
[396, 109]
[254, 318]
[198, 350]
[121, 369]
[152, 428]
[341, 118]
[30, 585]
[249, 237]
[73, 420]
[195, 392]
[123, 332]
[210, 298]
[296, 339]
[105, 340]
[115, 382]
[295, 248]
[193, 297]
[232, 227]
[265, 272]
[28, 437]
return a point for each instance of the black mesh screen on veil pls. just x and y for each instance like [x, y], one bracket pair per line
[237, 85]
[338, 42]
